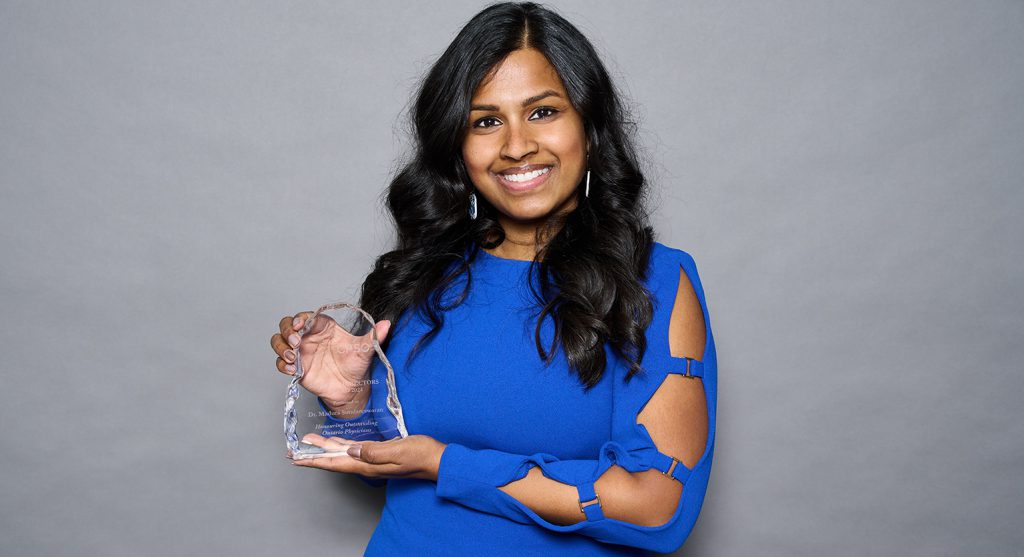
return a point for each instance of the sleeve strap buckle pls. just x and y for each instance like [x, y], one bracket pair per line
[671, 467]
[590, 501]
[595, 501]
[694, 368]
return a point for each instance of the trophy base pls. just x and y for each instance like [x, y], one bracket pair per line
[312, 451]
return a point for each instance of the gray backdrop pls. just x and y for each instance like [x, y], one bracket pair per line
[177, 176]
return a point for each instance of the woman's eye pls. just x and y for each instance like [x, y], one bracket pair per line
[543, 112]
[486, 122]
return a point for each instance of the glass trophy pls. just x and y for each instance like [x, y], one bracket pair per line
[339, 358]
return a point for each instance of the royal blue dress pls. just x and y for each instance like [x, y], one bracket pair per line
[481, 387]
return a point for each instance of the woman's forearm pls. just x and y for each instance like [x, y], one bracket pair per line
[645, 498]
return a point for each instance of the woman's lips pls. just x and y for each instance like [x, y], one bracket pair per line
[526, 185]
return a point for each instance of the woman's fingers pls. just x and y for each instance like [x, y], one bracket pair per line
[313, 439]
[300, 319]
[285, 367]
[285, 342]
[282, 349]
[383, 327]
[381, 467]
[285, 325]
[394, 458]
[352, 466]
[290, 325]
[285, 355]
[337, 444]
[328, 443]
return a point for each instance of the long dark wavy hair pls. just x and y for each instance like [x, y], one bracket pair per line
[591, 268]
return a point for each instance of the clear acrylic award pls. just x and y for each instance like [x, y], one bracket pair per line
[343, 385]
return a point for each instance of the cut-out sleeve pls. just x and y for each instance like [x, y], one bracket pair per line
[472, 476]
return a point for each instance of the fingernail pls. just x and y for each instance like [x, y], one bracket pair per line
[290, 367]
[296, 322]
[289, 355]
[293, 340]
[354, 451]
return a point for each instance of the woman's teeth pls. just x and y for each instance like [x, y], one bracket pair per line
[526, 176]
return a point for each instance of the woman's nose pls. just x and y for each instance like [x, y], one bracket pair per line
[518, 142]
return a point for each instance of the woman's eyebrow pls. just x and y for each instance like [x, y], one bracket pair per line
[526, 103]
[544, 95]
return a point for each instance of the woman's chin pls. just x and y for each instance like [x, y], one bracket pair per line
[527, 215]
[532, 210]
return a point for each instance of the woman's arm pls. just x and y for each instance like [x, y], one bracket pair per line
[676, 418]
[647, 485]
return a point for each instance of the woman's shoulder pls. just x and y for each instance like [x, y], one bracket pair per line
[666, 260]
[666, 272]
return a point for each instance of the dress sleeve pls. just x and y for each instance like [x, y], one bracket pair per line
[472, 476]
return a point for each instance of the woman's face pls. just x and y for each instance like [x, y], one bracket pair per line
[525, 149]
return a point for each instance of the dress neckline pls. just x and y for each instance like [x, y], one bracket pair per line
[493, 257]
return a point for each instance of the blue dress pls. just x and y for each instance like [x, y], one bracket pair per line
[481, 387]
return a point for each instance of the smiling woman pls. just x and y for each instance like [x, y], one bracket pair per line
[526, 149]
[555, 363]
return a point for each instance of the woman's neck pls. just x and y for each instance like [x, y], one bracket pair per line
[523, 249]
[524, 238]
[520, 241]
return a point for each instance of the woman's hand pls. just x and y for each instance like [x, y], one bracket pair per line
[335, 363]
[415, 456]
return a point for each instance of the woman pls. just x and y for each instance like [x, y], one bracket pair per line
[536, 324]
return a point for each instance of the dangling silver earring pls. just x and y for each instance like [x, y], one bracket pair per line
[586, 189]
[472, 206]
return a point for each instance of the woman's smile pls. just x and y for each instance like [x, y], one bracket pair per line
[524, 178]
